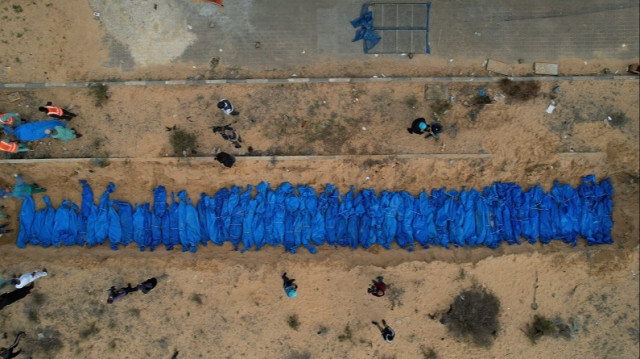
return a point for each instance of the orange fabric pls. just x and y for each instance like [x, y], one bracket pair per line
[9, 120]
[217, 2]
[10, 147]
[52, 110]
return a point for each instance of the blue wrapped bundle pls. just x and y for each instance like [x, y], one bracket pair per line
[500, 213]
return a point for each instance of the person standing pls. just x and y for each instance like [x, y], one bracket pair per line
[12, 147]
[289, 287]
[56, 112]
[434, 130]
[418, 126]
[378, 287]
[27, 278]
[387, 333]
[7, 353]
[10, 119]
[226, 107]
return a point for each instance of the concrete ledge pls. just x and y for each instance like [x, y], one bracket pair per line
[437, 156]
[321, 80]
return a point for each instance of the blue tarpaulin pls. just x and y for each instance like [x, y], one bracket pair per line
[295, 217]
[365, 31]
[33, 131]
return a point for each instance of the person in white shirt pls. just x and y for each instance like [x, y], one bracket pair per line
[226, 107]
[27, 278]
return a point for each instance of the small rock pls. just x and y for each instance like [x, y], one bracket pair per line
[219, 50]
[189, 27]
[476, 33]
[212, 25]
[257, 45]
[40, 336]
[364, 128]
[450, 60]
[367, 178]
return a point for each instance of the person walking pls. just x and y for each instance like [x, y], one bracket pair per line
[7, 353]
[146, 286]
[387, 333]
[116, 295]
[226, 159]
[226, 107]
[56, 112]
[378, 287]
[289, 287]
[16, 295]
[27, 278]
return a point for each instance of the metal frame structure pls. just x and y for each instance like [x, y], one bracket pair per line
[398, 23]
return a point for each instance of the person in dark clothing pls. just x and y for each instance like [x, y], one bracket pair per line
[116, 295]
[146, 286]
[226, 159]
[7, 353]
[2, 228]
[434, 130]
[377, 288]
[56, 112]
[16, 295]
[289, 287]
[226, 107]
[387, 333]
[418, 127]
[229, 133]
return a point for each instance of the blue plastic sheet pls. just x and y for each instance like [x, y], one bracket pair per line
[34, 131]
[365, 31]
[295, 217]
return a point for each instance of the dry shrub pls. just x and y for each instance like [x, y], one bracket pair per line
[183, 142]
[474, 314]
[521, 90]
[554, 328]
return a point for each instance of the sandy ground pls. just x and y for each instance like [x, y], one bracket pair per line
[355, 119]
[218, 303]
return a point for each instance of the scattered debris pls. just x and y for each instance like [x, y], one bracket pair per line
[96, 15]
[557, 89]
[14, 96]
[552, 106]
